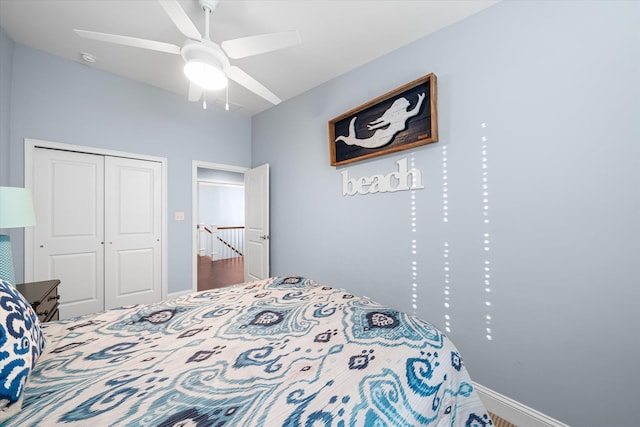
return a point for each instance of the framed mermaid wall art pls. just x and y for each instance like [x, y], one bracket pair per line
[398, 120]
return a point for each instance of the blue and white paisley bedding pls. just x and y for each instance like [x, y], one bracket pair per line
[284, 351]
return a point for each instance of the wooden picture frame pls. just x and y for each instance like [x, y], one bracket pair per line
[398, 120]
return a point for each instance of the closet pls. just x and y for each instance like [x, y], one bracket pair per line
[99, 229]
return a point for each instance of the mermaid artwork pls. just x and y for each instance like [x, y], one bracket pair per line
[393, 121]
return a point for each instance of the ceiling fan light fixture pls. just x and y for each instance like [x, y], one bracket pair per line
[205, 75]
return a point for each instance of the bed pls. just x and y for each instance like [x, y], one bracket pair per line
[284, 351]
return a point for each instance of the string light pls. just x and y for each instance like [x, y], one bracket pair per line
[414, 248]
[446, 266]
[486, 237]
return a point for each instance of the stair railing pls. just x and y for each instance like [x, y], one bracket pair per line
[231, 241]
[225, 242]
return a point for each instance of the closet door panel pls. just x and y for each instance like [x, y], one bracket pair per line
[132, 231]
[68, 191]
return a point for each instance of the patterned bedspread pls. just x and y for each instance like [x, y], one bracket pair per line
[285, 351]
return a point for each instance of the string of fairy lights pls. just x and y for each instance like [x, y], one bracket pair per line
[446, 266]
[414, 247]
[486, 237]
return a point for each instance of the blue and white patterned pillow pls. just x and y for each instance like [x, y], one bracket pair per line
[21, 343]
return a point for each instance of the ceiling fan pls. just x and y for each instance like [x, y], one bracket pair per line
[207, 64]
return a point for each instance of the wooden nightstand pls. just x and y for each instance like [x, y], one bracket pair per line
[43, 297]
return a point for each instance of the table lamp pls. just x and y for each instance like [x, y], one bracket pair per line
[16, 210]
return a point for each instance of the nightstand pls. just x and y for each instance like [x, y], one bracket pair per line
[43, 297]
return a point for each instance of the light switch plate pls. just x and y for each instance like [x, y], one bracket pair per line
[178, 216]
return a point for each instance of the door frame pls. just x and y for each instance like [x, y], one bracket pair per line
[29, 148]
[195, 164]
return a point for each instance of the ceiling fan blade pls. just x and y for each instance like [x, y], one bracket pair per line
[255, 45]
[180, 18]
[195, 92]
[129, 41]
[244, 79]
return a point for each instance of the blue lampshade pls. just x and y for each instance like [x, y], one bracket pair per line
[16, 210]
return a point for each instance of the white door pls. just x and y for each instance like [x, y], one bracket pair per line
[256, 204]
[68, 190]
[132, 231]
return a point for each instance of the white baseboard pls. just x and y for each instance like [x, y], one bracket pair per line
[512, 411]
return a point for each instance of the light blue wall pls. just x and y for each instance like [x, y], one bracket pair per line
[6, 53]
[221, 205]
[6, 59]
[58, 100]
[556, 84]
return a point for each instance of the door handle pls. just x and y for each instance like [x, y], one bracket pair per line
[264, 237]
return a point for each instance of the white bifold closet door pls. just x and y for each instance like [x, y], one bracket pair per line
[98, 229]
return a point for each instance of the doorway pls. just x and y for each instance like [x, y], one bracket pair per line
[218, 214]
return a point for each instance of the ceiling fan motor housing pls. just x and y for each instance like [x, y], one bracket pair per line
[209, 5]
[205, 51]
[206, 64]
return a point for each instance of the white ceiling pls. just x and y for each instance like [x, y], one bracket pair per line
[337, 36]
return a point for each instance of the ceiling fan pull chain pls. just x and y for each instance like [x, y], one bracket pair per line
[204, 100]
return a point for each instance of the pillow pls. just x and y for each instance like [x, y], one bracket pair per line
[21, 343]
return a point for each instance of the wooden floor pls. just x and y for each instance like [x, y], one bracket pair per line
[219, 273]
[500, 422]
